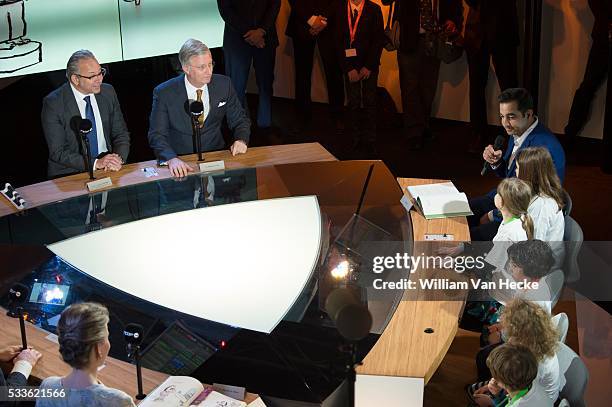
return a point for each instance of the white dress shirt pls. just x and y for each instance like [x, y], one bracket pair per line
[192, 95]
[80, 99]
[518, 141]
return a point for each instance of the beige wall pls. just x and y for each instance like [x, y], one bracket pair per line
[565, 46]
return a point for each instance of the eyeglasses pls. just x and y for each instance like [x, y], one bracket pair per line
[102, 73]
[203, 67]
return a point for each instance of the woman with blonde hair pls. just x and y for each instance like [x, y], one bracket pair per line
[525, 323]
[83, 338]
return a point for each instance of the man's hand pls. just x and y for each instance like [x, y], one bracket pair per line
[31, 356]
[178, 168]
[255, 37]
[239, 147]
[319, 24]
[491, 156]
[8, 353]
[450, 27]
[353, 75]
[364, 73]
[110, 162]
[493, 387]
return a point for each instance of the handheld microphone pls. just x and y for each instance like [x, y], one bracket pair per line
[18, 294]
[132, 334]
[498, 145]
[352, 319]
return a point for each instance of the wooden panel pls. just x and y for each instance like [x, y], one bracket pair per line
[74, 185]
[404, 349]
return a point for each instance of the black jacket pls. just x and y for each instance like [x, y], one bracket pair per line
[493, 23]
[369, 38]
[302, 10]
[241, 16]
[602, 11]
[408, 14]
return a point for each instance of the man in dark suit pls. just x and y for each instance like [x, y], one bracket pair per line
[23, 362]
[313, 22]
[491, 32]
[171, 128]
[596, 69]
[86, 97]
[521, 123]
[417, 67]
[360, 40]
[250, 36]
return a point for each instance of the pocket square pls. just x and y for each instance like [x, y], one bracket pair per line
[221, 104]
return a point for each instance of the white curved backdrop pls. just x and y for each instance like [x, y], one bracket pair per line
[242, 264]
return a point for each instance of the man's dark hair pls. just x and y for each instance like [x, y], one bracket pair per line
[535, 257]
[521, 96]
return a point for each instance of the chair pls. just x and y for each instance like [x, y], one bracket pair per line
[574, 376]
[567, 200]
[564, 403]
[555, 281]
[573, 238]
[562, 323]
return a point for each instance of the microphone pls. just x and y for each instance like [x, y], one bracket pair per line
[85, 126]
[498, 145]
[18, 295]
[196, 109]
[132, 334]
[352, 319]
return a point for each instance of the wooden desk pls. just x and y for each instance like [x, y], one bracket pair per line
[404, 349]
[74, 185]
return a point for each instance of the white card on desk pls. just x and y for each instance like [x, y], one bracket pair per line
[150, 172]
[99, 184]
[434, 236]
[212, 166]
[406, 203]
[234, 392]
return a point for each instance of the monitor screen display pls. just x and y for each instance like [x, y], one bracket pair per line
[49, 293]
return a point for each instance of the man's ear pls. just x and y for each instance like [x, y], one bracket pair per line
[529, 113]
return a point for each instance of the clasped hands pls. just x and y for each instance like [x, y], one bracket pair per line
[319, 24]
[110, 162]
[255, 37]
[355, 75]
[179, 168]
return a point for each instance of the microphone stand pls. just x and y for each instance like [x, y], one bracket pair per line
[351, 373]
[134, 350]
[197, 134]
[18, 313]
[88, 162]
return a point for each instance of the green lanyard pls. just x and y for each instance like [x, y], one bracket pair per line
[511, 219]
[517, 397]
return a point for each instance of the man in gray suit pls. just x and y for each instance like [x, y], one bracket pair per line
[84, 97]
[171, 128]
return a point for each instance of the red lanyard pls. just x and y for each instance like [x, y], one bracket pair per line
[353, 29]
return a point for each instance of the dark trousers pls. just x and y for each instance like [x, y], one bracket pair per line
[360, 93]
[304, 54]
[238, 56]
[504, 61]
[594, 76]
[418, 74]
[479, 206]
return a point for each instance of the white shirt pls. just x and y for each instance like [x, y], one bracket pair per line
[518, 141]
[540, 296]
[80, 100]
[507, 234]
[192, 95]
[548, 377]
[535, 397]
[548, 224]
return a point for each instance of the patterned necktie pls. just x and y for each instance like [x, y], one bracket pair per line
[199, 99]
[92, 136]
[428, 21]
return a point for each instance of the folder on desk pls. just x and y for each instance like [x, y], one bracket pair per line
[442, 200]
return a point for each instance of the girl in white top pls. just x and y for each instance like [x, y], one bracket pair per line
[534, 165]
[512, 199]
[83, 343]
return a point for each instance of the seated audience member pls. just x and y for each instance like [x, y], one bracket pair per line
[528, 261]
[170, 131]
[83, 344]
[360, 39]
[525, 323]
[86, 97]
[519, 121]
[23, 362]
[534, 165]
[513, 369]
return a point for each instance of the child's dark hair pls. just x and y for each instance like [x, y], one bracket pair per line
[513, 365]
[534, 257]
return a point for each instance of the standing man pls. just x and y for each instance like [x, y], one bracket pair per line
[418, 68]
[313, 22]
[250, 36]
[86, 97]
[491, 32]
[170, 125]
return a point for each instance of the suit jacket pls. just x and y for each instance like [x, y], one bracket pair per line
[241, 16]
[170, 129]
[302, 10]
[59, 125]
[15, 379]
[408, 14]
[602, 11]
[539, 137]
[369, 38]
[493, 23]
